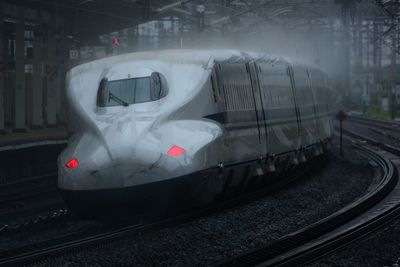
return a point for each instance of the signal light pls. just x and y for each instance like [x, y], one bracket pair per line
[116, 41]
[72, 164]
[176, 151]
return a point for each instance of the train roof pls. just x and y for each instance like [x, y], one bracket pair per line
[183, 56]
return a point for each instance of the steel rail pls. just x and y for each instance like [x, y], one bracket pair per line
[34, 221]
[75, 241]
[353, 221]
[72, 243]
[389, 125]
[388, 129]
[28, 188]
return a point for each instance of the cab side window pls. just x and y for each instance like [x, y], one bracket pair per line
[158, 86]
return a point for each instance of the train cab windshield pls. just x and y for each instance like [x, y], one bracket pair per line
[131, 91]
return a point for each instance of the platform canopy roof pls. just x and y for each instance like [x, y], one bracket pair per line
[90, 18]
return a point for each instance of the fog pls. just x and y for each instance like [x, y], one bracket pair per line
[321, 47]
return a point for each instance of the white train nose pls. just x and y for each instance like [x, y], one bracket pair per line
[96, 168]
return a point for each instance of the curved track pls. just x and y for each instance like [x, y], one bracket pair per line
[376, 208]
[373, 210]
[105, 234]
[332, 232]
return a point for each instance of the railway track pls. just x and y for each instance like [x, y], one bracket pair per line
[28, 171]
[381, 133]
[374, 210]
[388, 125]
[28, 188]
[29, 203]
[383, 129]
[32, 221]
[100, 236]
[378, 207]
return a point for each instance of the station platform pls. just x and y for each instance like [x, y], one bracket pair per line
[33, 137]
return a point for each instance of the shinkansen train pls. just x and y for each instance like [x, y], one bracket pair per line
[187, 126]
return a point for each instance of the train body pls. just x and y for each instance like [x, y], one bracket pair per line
[182, 126]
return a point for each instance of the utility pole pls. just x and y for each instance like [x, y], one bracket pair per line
[20, 90]
[341, 116]
[3, 51]
[393, 72]
[360, 42]
[346, 57]
[146, 9]
[200, 17]
[375, 50]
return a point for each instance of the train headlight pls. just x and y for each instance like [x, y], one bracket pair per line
[176, 151]
[72, 164]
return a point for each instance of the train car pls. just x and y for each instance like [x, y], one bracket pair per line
[175, 127]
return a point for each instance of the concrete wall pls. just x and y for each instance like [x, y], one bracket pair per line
[32, 70]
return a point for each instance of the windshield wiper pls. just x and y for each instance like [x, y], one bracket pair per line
[117, 99]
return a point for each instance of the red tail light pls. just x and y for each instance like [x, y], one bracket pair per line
[72, 164]
[176, 151]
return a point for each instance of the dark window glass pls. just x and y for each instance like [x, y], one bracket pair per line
[102, 93]
[142, 90]
[131, 91]
[156, 87]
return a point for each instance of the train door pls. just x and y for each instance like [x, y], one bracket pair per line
[305, 105]
[280, 108]
[242, 138]
[219, 96]
[318, 85]
[315, 101]
[259, 106]
[328, 101]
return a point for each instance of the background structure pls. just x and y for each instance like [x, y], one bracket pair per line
[355, 41]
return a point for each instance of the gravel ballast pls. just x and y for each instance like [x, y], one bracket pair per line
[381, 248]
[211, 239]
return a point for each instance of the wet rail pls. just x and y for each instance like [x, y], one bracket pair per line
[372, 211]
[385, 124]
[104, 235]
[297, 248]
[27, 188]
